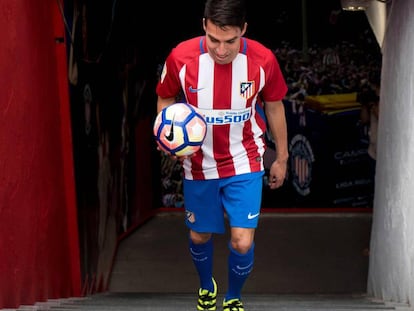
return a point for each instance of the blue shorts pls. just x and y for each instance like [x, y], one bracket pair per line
[208, 201]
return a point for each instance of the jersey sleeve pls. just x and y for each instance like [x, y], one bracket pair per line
[168, 84]
[275, 88]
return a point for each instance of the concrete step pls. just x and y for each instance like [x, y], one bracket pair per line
[252, 302]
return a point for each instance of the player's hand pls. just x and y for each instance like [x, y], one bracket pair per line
[172, 156]
[277, 174]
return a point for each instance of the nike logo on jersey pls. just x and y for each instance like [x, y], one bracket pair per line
[170, 136]
[192, 90]
[251, 216]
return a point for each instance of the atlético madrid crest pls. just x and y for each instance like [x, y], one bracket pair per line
[247, 89]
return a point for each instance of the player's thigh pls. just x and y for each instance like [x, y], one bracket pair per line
[204, 211]
[242, 199]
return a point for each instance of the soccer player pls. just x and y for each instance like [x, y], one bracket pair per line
[237, 85]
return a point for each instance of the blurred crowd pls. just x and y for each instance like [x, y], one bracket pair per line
[343, 68]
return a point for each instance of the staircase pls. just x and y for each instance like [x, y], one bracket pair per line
[186, 302]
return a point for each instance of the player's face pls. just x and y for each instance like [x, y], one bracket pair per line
[223, 44]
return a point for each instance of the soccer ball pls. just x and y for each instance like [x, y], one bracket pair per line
[179, 129]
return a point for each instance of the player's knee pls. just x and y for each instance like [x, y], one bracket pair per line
[242, 239]
[242, 246]
[199, 238]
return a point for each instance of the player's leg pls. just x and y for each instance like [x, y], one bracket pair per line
[204, 216]
[242, 200]
[201, 251]
[240, 265]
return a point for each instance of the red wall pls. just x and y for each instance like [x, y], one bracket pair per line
[39, 236]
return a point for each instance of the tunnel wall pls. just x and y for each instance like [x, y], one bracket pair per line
[39, 237]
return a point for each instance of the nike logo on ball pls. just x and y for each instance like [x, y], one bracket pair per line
[170, 136]
[251, 216]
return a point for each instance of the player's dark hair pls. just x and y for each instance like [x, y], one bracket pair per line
[224, 13]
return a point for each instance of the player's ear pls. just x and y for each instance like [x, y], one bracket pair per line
[204, 24]
[243, 31]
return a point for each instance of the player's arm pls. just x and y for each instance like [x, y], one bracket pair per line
[164, 102]
[275, 114]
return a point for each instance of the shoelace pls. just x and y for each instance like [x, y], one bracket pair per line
[206, 299]
[235, 305]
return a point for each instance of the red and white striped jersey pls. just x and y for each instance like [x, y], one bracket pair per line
[231, 98]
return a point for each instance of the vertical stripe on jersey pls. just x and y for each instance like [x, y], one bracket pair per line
[259, 127]
[260, 123]
[204, 99]
[239, 131]
[253, 161]
[183, 76]
[223, 96]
